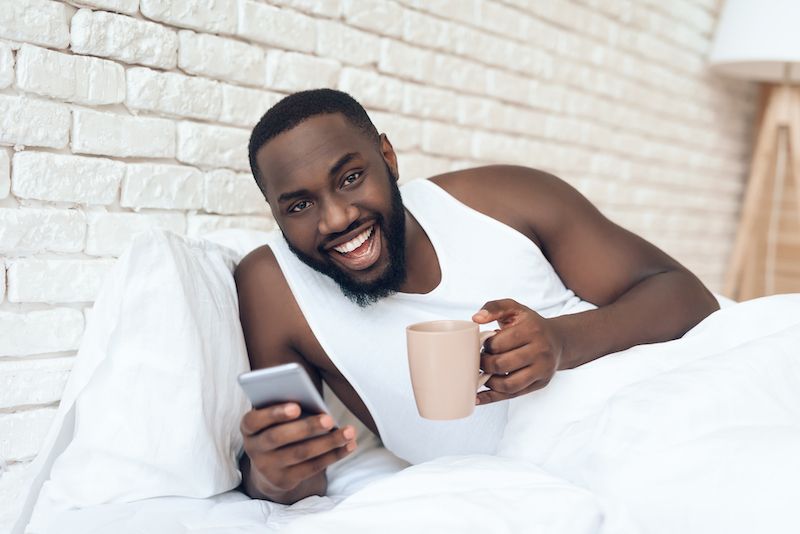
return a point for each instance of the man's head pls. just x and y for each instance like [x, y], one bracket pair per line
[331, 182]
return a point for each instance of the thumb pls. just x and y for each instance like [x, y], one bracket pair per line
[496, 310]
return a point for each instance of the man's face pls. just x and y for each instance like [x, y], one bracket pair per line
[336, 200]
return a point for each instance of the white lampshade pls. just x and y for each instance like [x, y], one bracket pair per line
[756, 38]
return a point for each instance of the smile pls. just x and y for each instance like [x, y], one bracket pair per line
[356, 242]
[361, 252]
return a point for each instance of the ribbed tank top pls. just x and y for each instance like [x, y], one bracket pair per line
[481, 259]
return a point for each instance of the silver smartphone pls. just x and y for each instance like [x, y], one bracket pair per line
[280, 384]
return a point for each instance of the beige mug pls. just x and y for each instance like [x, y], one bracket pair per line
[444, 359]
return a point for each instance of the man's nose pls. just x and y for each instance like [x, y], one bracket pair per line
[337, 216]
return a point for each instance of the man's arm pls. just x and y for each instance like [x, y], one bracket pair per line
[643, 295]
[285, 454]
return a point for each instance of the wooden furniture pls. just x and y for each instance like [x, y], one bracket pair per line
[760, 40]
[766, 256]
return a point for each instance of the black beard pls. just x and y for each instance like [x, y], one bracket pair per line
[367, 293]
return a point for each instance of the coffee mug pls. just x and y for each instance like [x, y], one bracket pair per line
[444, 359]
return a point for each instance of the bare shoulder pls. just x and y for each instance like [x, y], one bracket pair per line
[271, 319]
[520, 197]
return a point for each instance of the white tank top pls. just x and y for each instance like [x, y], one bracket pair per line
[481, 259]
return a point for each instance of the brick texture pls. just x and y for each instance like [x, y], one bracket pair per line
[112, 134]
[34, 381]
[85, 80]
[123, 38]
[33, 122]
[6, 65]
[59, 177]
[149, 185]
[5, 172]
[41, 22]
[224, 59]
[218, 16]
[171, 93]
[38, 332]
[117, 116]
[55, 280]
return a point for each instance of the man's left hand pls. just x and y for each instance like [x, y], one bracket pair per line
[523, 356]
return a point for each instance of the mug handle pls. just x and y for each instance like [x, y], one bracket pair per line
[484, 377]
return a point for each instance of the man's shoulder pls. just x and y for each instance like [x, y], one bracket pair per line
[259, 265]
[510, 194]
[263, 289]
[494, 180]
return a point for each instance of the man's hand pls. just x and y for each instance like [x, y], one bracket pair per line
[523, 356]
[285, 450]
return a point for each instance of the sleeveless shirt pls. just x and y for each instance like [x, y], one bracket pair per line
[481, 259]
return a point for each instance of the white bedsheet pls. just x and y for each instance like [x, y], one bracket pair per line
[696, 435]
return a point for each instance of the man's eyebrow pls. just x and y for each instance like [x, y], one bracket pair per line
[341, 162]
[285, 197]
[335, 168]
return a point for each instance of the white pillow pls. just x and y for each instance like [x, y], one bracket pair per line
[160, 412]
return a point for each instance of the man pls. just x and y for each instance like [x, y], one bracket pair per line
[364, 262]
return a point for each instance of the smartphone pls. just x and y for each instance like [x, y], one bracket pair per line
[281, 384]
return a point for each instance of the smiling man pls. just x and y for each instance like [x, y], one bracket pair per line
[358, 258]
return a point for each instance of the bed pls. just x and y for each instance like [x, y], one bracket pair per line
[698, 434]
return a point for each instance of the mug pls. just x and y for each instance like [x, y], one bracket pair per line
[444, 359]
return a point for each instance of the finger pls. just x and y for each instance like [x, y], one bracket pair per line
[487, 397]
[496, 310]
[507, 362]
[315, 465]
[302, 452]
[513, 383]
[257, 420]
[294, 431]
[505, 340]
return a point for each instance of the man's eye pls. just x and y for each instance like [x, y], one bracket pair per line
[300, 206]
[350, 178]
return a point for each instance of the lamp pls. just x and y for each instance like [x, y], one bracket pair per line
[760, 40]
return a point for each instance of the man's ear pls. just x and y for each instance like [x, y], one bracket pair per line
[387, 151]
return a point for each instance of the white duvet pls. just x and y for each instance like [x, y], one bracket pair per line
[700, 434]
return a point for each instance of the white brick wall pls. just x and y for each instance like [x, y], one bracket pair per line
[55, 280]
[84, 80]
[5, 179]
[122, 115]
[35, 21]
[33, 122]
[6, 65]
[60, 177]
[39, 332]
[123, 38]
[149, 185]
[113, 134]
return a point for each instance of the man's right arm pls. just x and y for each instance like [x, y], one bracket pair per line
[286, 454]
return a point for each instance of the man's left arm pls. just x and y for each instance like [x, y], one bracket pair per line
[643, 295]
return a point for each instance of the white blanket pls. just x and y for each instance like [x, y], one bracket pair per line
[696, 435]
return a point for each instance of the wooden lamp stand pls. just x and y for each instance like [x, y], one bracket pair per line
[776, 163]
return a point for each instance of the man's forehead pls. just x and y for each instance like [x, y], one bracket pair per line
[310, 148]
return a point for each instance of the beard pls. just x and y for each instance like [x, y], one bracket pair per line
[389, 282]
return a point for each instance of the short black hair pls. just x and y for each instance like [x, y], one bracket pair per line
[297, 107]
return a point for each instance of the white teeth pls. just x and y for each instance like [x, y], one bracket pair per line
[354, 243]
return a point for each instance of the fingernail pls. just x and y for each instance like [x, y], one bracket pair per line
[292, 410]
[350, 446]
[477, 400]
[482, 312]
[349, 432]
[326, 421]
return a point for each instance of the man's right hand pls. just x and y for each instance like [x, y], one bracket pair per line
[288, 452]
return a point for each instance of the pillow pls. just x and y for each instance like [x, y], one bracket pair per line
[160, 410]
